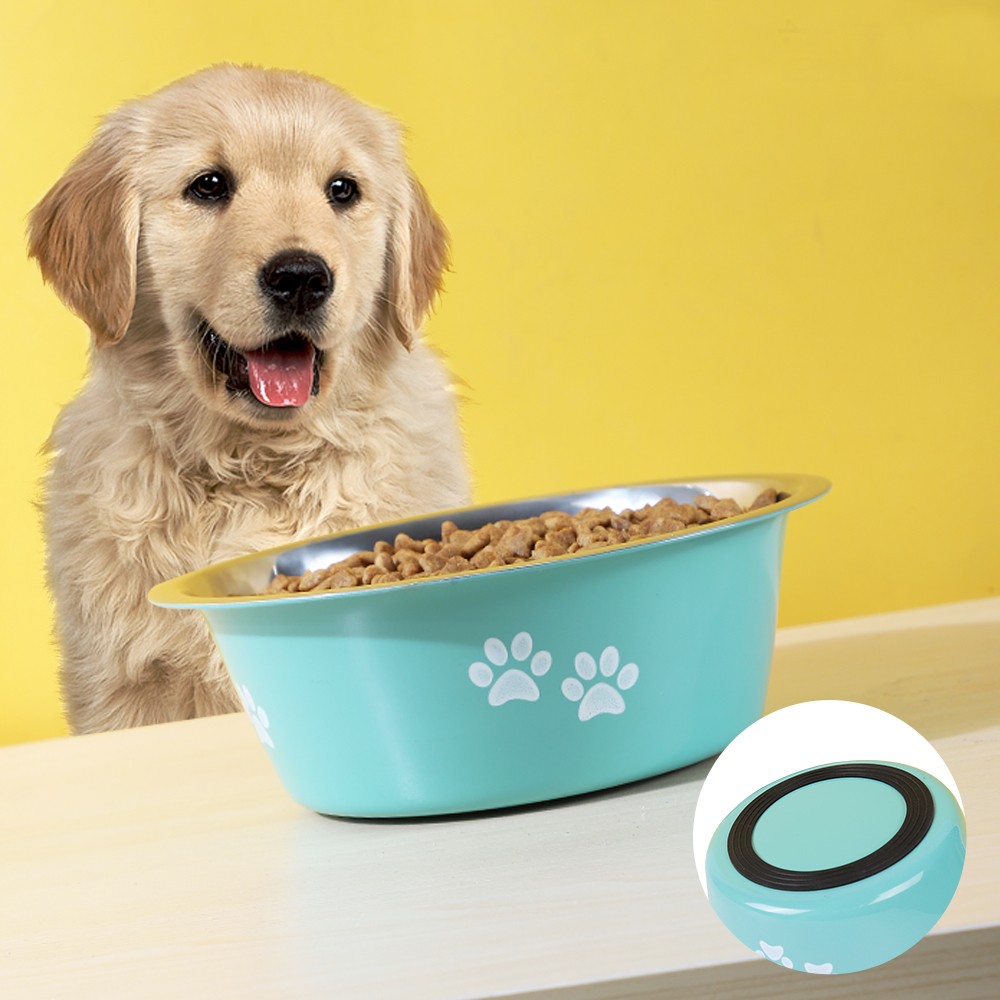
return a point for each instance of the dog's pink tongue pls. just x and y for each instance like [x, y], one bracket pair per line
[282, 375]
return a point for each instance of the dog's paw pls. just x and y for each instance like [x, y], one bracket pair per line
[514, 684]
[601, 698]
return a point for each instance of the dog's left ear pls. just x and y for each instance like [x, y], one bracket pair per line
[85, 234]
[418, 256]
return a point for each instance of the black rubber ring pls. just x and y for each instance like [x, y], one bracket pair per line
[919, 816]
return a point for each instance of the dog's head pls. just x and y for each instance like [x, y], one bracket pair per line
[265, 220]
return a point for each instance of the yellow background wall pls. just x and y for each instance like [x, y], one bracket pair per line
[688, 238]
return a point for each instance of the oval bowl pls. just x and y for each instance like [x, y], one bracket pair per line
[507, 685]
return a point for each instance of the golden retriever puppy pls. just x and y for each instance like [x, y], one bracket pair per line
[254, 260]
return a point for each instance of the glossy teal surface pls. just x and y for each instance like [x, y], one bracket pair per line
[851, 927]
[829, 823]
[503, 687]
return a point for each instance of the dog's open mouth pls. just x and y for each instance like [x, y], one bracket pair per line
[284, 372]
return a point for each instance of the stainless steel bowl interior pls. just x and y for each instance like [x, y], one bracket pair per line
[244, 578]
[321, 553]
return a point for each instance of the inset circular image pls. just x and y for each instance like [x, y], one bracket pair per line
[829, 837]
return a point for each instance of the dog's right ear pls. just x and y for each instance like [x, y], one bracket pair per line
[85, 235]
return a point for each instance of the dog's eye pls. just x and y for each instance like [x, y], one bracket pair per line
[343, 191]
[210, 186]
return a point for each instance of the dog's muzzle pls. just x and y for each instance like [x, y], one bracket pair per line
[284, 372]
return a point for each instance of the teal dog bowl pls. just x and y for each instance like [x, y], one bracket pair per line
[838, 868]
[506, 685]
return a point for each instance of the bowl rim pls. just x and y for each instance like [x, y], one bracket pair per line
[181, 591]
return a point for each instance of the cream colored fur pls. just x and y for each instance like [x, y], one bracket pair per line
[156, 468]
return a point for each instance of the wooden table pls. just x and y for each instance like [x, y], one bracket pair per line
[168, 862]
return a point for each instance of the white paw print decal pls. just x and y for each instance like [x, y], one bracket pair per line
[601, 698]
[825, 969]
[515, 683]
[776, 953]
[258, 716]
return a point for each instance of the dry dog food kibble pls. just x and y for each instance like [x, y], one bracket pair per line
[502, 543]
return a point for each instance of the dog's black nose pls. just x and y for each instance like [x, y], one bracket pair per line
[296, 281]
